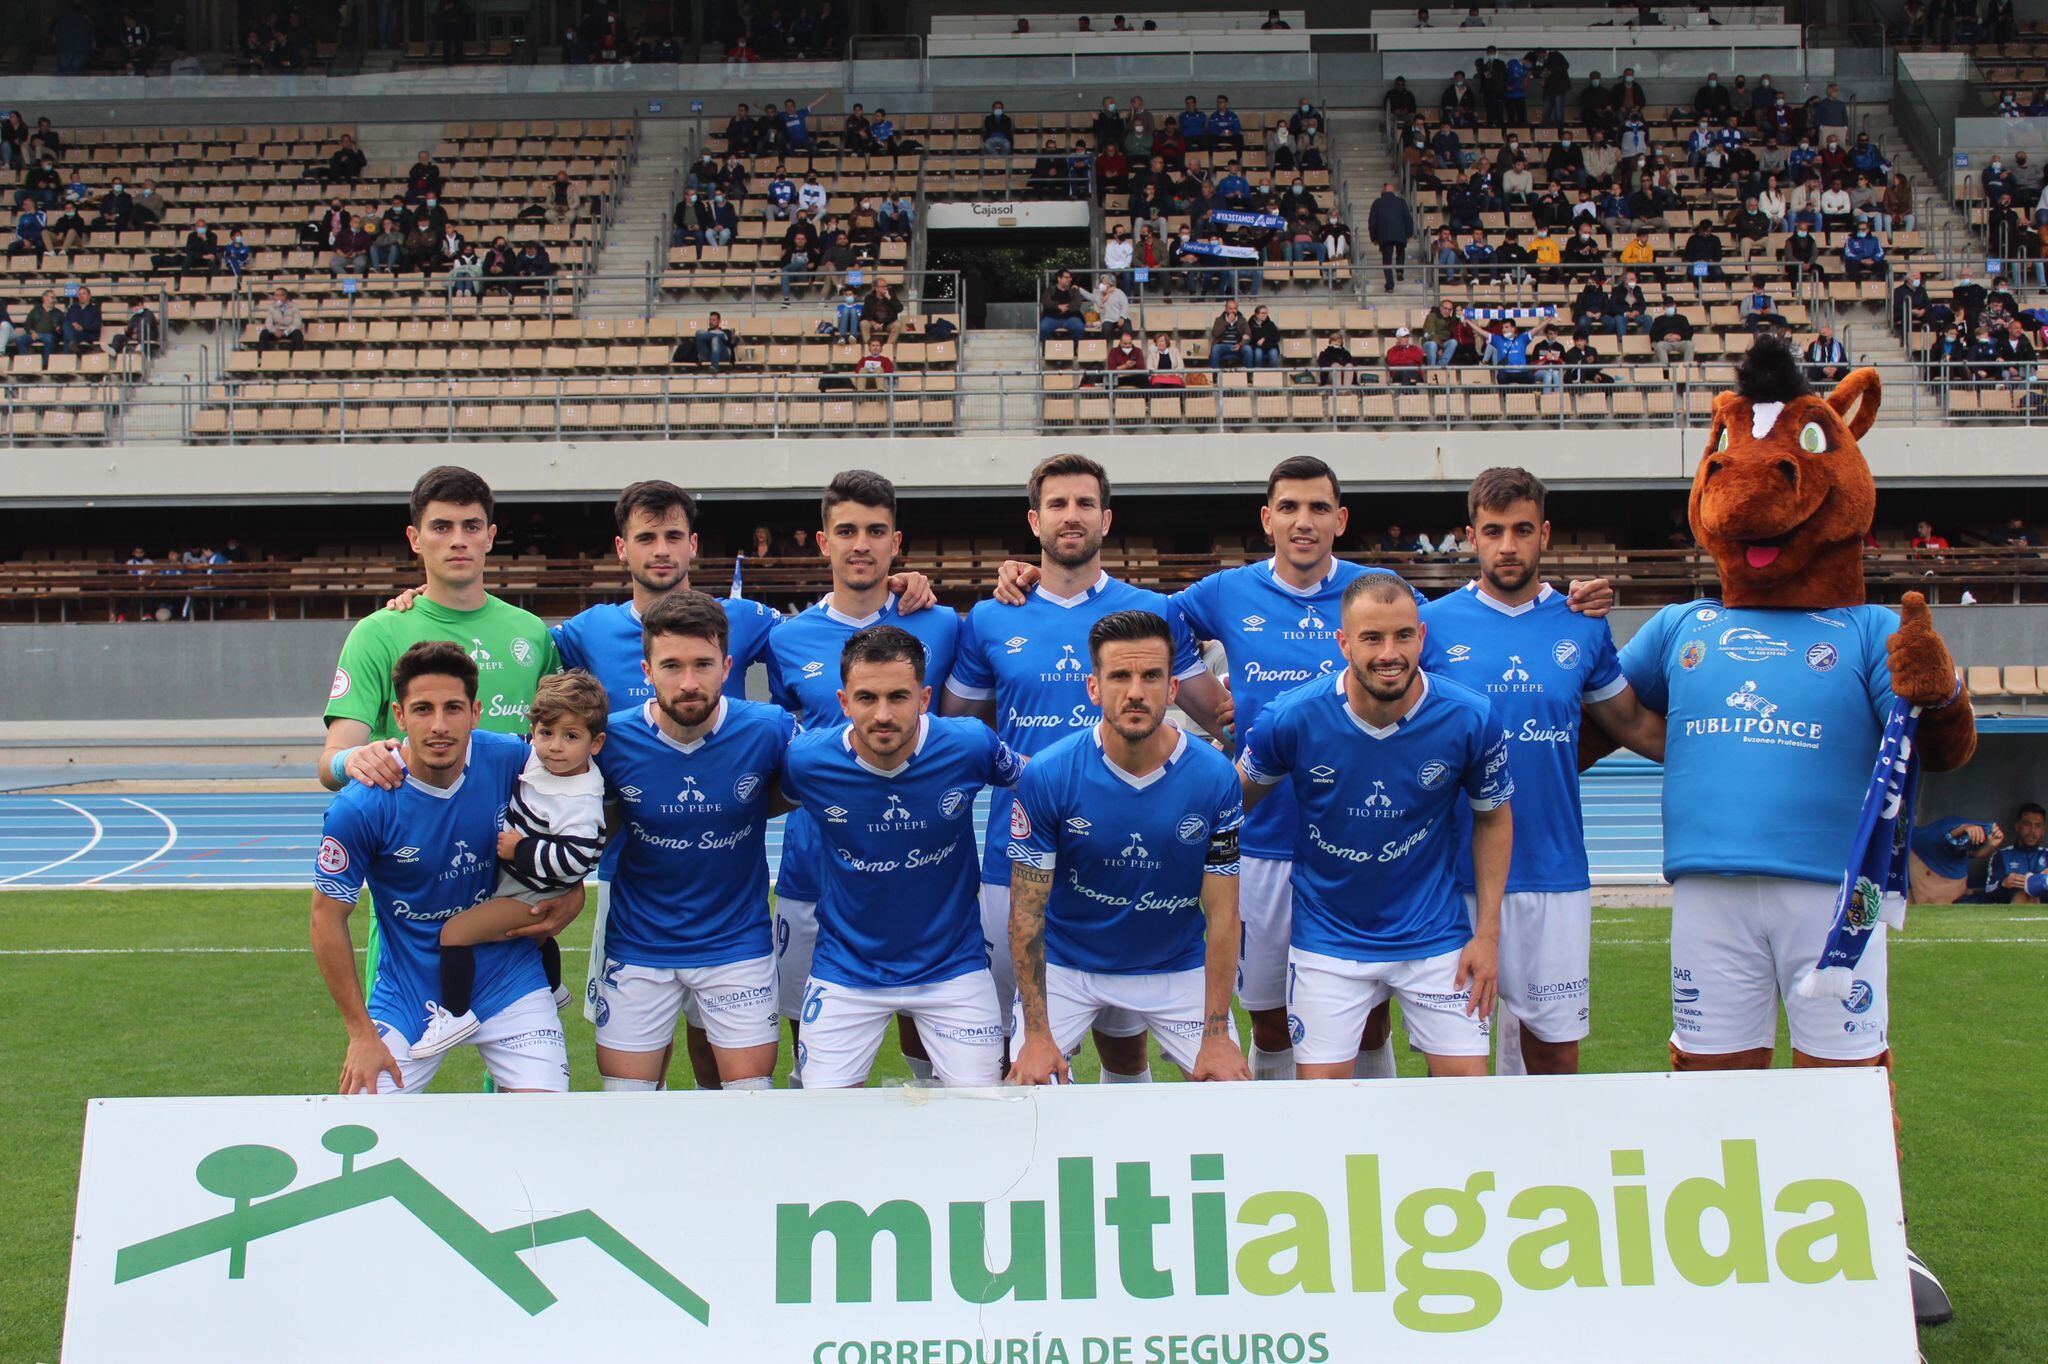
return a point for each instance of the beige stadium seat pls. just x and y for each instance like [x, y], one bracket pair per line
[1984, 681]
[2023, 680]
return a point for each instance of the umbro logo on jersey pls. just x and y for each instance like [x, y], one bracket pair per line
[1015, 643]
[835, 814]
[630, 794]
[1323, 774]
[1458, 653]
[1078, 825]
[812, 669]
[406, 854]
[1254, 624]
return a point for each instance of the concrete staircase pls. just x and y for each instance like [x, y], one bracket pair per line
[161, 406]
[983, 405]
[1367, 164]
[638, 239]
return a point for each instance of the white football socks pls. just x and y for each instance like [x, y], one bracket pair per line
[920, 1070]
[1111, 1077]
[1507, 1031]
[1377, 1064]
[795, 1080]
[1272, 1065]
[617, 1086]
[757, 1082]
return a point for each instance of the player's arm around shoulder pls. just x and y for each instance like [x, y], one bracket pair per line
[970, 689]
[357, 699]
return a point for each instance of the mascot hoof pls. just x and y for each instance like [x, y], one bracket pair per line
[1931, 1306]
[1922, 670]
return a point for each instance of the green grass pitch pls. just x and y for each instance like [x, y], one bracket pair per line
[191, 992]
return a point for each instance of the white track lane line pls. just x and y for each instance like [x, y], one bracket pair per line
[98, 832]
[170, 842]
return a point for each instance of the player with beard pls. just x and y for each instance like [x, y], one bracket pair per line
[1024, 669]
[893, 794]
[1377, 758]
[860, 540]
[1509, 635]
[1119, 836]
[691, 772]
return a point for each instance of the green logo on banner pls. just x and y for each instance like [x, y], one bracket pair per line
[247, 1174]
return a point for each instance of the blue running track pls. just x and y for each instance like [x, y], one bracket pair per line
[221, 839]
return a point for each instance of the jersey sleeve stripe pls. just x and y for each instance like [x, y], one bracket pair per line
[1031, 857]
[967, 693]
[337, 890]
[1615, 688]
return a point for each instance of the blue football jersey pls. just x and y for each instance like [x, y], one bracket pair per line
[2014, 860]
[1772, 722]
[428, 854]
[1127, 854]
[605, 641]
[1376, 848]
[1033, 659]
[803, 677]
[1276, 637]
[691, 885]
[1539, 663]
[899, 905]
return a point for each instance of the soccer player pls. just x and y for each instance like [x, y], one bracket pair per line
[2008, 868]
[860, 540]
[1024, 669]
[549, 844]
[452, 531]
[1510, 636]
[424, 848]
[692, 772]
[1376, 759]
[898, 930]
[1119, 835]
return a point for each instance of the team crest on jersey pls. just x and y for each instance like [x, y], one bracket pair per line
[955, 803]
[1566, 653]
[1752, 646]
[339, 687]
[1822, 657]
[522, 650]
[1694, 653]
[1015, 643]
[1861, 997]
[743, 790]
[1192, 830]
[1458, 653]
[1433, 774]
[333, 857]
[1078, 825]
[1254, 624]
[1020, 823]
[1860, 913]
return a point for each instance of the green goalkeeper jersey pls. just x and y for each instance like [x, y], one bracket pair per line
[511, 648]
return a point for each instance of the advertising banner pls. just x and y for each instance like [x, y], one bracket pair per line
[1698, 1217]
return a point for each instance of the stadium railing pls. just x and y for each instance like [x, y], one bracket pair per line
[57, 591]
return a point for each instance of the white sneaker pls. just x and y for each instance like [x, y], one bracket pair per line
[444, 1030]
[562, 998]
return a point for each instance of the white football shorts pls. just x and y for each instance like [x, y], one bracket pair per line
[522, 1046]
[1329, 997]
[842, 1026]
[637, 1006]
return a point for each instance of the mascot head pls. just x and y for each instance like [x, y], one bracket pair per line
[1783, 497]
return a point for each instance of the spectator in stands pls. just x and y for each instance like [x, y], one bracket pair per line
[724, 219]
[1229, 334]
[40, 330]
[357, 249]
[1826, 362]
[1164, 364]
[1831, 116]
[82, 322]
[236, 254]
[2017, 535]
[1772, 203]
[1223, 127]
[41, 186]
[1446, 257]
[1637, 253]
[1582, 361]
[1801, 254]
[1262, 341]
[14, 134]
[801, 247]
[1478, 256]
[1947, 355]
[1836, 208]
[1459, 106]
[998, 131]
[856, 131]
[1863, 255]
[1117, 253]
[1112, 306]
[534, 264]
[875, 370]
[1112, 173]
[1108, 127]
[712, 345]
[2002, 232]
[896, 216]
[1712, 102]
[1969, 298]
[1584, 252]
[1750, 225]
[1547, 353]
[422, 178]
[117, 208]
[1390, 226]
[282, 323]
[796, 122]
[1910, 303]
[422, 250]
[563, 202]
[1625, 309]
[1405, 361]
[2015, 350]
[1508, 353]
[1557, 89]
[1126, 361]
[202, 249]
[811, 194]
[1443, 332]
[778, 201]
[144, 332]
[1398, 103]
[6, 331]
[451, 26]
[344, 165]
[1703, 248]
[1059, 310]
[1925, 541]
[1139, 130]
[1671, 334]
[67, 231]
[1589, 305]
[1760, 310]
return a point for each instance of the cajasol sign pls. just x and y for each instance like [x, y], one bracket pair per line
[1696, 1217]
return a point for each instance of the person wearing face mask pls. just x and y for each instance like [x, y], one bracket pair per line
[1108, 127]
[896, 217]
[1801, 254]
[1298, 199]
[1910, 303]
[1566, 163]
[686, 226]
[1836, 207]
[1139, 129]
[235, 255]
[1831, 116]
[1711, 101]
[1224, 128]
[1460, 103]
[1117, 253]
[117, 206]
[998, 131]
[725, 220]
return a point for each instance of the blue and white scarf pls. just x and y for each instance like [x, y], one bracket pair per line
[1231, 217]
[737, 561]
[1873, 888]
[1502, 314]
[1217, 251]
